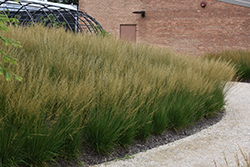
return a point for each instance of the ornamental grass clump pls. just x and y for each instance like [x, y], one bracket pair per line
[241, 58]
[98, 92]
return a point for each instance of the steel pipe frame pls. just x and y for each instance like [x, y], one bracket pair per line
[29, 9]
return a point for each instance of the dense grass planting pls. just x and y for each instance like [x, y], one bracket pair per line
[240, 58]
[80, 91]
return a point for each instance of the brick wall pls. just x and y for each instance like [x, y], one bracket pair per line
[182, 25]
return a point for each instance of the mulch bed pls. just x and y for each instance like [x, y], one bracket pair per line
[246, 80]
[89, 157]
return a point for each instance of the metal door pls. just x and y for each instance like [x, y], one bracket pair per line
[128, 32]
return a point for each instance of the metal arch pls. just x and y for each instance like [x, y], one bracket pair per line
[50, 12]
[90, 20]
[41, 9]
[27, 13]
[2, 2]
[63, 18]
[69, 13]
[83, 21]
[30, 10]
[86, 24]
[75, 20]
[93, 19]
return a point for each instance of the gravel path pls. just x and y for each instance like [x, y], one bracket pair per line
[206, 147]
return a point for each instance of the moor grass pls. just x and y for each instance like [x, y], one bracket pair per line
[98, 92]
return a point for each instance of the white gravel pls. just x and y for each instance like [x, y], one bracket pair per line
[208, 146]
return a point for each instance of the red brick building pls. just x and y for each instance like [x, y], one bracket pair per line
[190, 26]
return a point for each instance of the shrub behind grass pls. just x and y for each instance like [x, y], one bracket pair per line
[98, 92]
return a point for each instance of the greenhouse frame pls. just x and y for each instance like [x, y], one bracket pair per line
[30, 12]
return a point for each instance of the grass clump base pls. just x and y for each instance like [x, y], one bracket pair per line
[98, 92]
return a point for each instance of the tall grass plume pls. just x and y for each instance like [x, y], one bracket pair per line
[98, 92]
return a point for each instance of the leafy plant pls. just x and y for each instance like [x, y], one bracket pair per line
[99, 30]
[4, 20]
[51, 20]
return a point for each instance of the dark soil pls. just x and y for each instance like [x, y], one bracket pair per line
[246, 80]
[89, 157]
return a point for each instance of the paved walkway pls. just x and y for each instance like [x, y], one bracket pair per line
[210, 145]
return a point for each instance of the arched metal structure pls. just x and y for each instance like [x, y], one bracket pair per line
[33, 11]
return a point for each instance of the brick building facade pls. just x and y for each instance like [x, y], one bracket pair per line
[183, 25]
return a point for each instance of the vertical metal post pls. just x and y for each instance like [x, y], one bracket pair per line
[77, 8]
